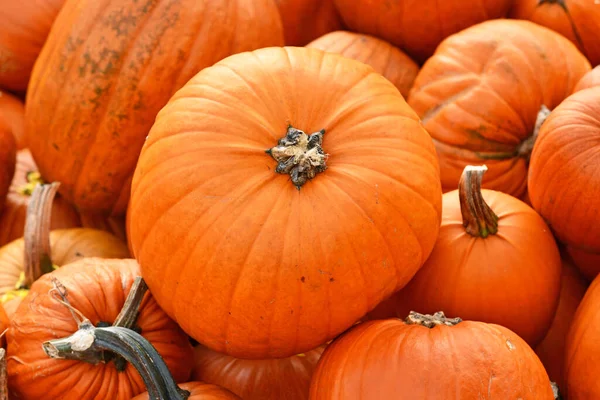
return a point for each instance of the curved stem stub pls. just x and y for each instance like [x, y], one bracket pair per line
[430, 321]
[478, 218]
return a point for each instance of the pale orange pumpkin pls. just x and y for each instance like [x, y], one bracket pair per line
[591, 79]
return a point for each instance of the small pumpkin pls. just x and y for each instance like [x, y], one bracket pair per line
[429, 356]
[89, 292]
[417, 27]
[306, 20]
[271, 379]
[8, 152]
[471, 97]
[25, 26]
[12, 114]
[591, 79]
[583, 348]
[551, 350]
[24, 260]
[26, 178]
[494, 258]
[577, 20]
[254, 252]
[106, 70]
[564, 184]
[385, 59]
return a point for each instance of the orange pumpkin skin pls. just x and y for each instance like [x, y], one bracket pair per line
[386, 59]
[551, 350]
[12, 114]
[582, 348]
[306, 20]
[588, 263]
[561, 176]
[272, 379]
[577, 20]
[417, 27]
[591, 79]
[8, 154]
[389, 359]
[25, 26]
[200, 391]
[102, 78]
[469, 96]
[98, 289]
[12, 218]
[492, 279]
[4, 324]
[259, 295]
[114, 224]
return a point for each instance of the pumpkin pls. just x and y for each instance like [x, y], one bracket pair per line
[12, 114]
[271, 379]
[200, 391]
[386, 59]
[26, 178]
[25, 26]
[551, 350]
[306, 20]
[8, 151]
[583, 348]
[577, 20]
[429, 357]
[563, 175]
[591, 79]
[245, 214]
[470, 97]
[4, 323]
[111, 224]
[588, 263]
[417, 27]
[96, 289]
[107, 69]
[494, 258]
[45, 249]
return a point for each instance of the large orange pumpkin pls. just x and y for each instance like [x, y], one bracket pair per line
[386, 59]
[12, 219]
[591, 79]
[577, 20]
[8, 154]
[271, 379]
[564, 181]
[417, 26]
[109, 66]
[12, 115]
[306, 20]
[551, 350]
[495, 261]
[583, 348]
[23, 31]
[264, 237]
[429, 357]
[480, 94]
[97, 288]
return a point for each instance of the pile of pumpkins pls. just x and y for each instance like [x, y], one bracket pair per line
[299, 199]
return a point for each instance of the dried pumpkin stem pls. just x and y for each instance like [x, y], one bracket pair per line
[38, 259]
[89, 341]
[300, 155]
[3, 377]
[127, 318]
[478, 218]
[430, 321]
[555, 391]
[526, 147]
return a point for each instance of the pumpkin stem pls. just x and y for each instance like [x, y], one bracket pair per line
[299, 155]
[38, 259]
[3, 377]
[127, 318]
[555, 391]
[89, 341]
[478, 218]
[34, 179]
[526, 147]
[431, 321]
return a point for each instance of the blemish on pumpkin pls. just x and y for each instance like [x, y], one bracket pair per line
[302, 279]
[331, 279]
[510, 345]
[55, 146]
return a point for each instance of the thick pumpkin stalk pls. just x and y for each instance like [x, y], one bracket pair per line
[431, 321]
[299, 155]
[3, 377]
[478, 218]
[89, 341]
[526, 147]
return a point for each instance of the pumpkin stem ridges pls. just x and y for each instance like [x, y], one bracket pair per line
[431, 321]
[299, 155]
[3, 377]
[478, 218]
[526, 147]
[89, 341]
